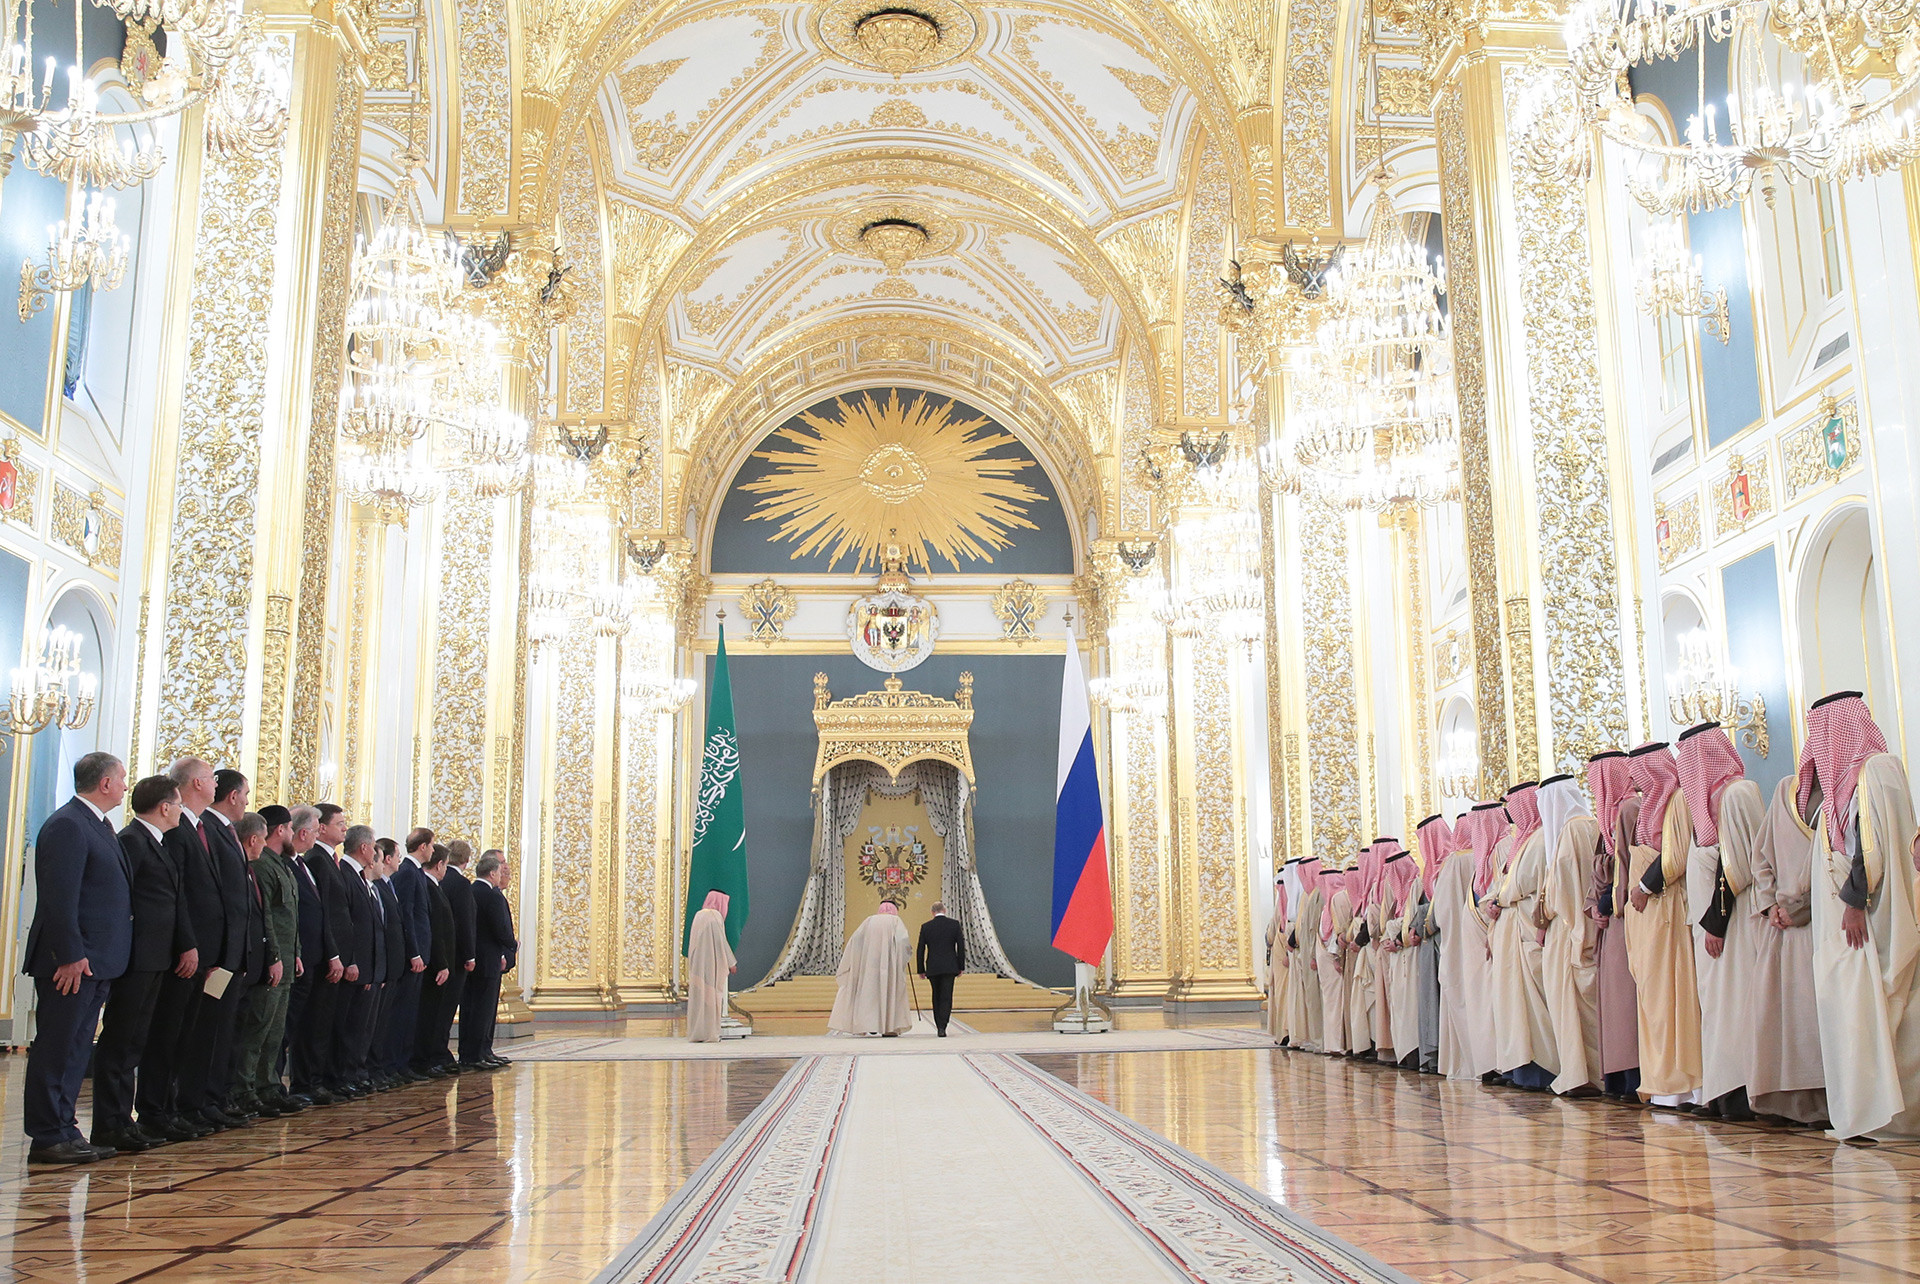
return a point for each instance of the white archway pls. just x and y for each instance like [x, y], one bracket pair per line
[1843, 635]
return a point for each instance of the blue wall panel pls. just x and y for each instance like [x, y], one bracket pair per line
[1016, 727]
[1756, 646]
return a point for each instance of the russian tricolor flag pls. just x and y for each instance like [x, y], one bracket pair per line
[1082, 904]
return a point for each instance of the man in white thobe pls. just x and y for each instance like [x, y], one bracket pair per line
[873, 995]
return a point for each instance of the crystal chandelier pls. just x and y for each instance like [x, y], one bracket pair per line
[1853, 118]
[1218, 582]
[1372, 419]
[391, 485]
[1459, 766]
[84, 247]
[216, 55]
[549, 610]
[1670, 282]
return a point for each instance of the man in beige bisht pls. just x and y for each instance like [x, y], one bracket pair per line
[1466, 967]
[873, 995]
[1659, 937]
[1350, 934]
[1568, 959]
[1303, 995]
[1727, 815]
[1524, 1049]
[1329, 958]
[1278, 974]
[1373, 863]
[709, 964]
[1400, 882]
[1788, 1079]
[1618, 811]
[1866, 943]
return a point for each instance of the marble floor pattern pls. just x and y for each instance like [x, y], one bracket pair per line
[545, 1171]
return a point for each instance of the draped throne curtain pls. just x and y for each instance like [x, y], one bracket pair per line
[819, 930]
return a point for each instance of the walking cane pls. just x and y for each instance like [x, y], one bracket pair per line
[913, 996]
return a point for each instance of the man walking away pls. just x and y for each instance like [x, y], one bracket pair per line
[940, 957]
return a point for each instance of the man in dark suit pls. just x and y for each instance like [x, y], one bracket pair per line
[159, 951]
[495, 952]
[355, 1023]
[459, 892]
[310, 1005]
[412, 888]
[81, 939]
[396, 949]
[326, 1045]
[176, 1051]
[940, 957]
[206, 1079]
[425, 1059]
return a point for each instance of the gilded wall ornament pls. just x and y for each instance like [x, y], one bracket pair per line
[87, 527]
[892, 630]
[17, 482]
[1451, 656]
[882, 472]
[768, 606]
[1018, 606]
[1742, 495]
[1822, 450]
[892, 727]
[897, 38]
[1676, 529]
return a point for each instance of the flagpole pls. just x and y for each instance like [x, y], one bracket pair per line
[1084, 1013]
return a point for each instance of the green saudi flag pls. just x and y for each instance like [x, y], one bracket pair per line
[720, 818]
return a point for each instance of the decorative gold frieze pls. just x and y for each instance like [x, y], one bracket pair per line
[1332, 713]
[897, 38]
[486, 106]
[1742, 496]
[456, 790]
[1824, 449]
[1306, 115]
[1451, 656]
[1401, 91]
[1676, 529]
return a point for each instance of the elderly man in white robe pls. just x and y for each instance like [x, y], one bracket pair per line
[709, 964]
[1866, 943]
[1727, 813]
[873, 996]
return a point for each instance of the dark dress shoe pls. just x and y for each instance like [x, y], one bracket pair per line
[153, 1139]
[122, 1140]
[317, 1096]
[69, 1152]
[178, 1128]
[292, 1103]
[267, 1110]
[496, 1063]
[215, 1117]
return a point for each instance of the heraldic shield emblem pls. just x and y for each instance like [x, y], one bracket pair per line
[893, 858]
[893, 630]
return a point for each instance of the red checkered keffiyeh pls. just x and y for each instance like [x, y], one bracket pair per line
[1523, 804]
[1481, 830]
[1841, 736]
[1436, 844]
[1373, 868]
[1657, 776]
[1611, 779]
[1708, 761]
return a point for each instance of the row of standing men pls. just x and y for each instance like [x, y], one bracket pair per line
[239, 964]
[1665, 936]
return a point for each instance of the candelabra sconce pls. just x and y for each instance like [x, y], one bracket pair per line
[1144, 697]
[1458, 770]
[51, 692]
[651, 696]
[612, 609]
[1671, 282]
[549, 612]
[86, 246]
[1701, 693]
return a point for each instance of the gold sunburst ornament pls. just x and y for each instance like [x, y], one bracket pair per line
[875, 473]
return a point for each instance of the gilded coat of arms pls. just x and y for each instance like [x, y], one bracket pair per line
[893, 858]
[893, 630]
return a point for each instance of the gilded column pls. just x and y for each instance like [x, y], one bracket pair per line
[255, 327]
[1543, 540]
[1137, 649]
[1329, 724]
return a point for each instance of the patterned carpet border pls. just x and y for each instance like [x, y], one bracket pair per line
[587, 1048]
[1210, 1226]
[747, 1212]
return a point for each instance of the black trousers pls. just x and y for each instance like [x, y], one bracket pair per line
[403, 1021]
[355, 1025]
[123, 1039]
[206, 1060]
[478, 1008]
[57, 1061]
[942, 999]
[438, 1003]
[175, 1006]
[310, 1025]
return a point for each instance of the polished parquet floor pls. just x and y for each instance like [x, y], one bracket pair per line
[544, 1171]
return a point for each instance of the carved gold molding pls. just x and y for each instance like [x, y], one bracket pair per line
[892, 727]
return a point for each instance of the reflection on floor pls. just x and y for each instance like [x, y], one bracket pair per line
[544, 1171]
[1456, 1182]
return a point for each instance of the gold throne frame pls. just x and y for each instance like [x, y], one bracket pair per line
[893, 728]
